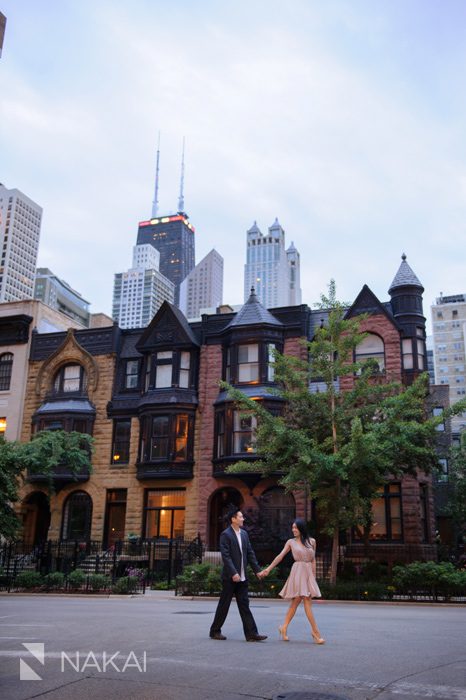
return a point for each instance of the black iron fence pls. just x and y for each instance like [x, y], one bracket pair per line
[148, 560]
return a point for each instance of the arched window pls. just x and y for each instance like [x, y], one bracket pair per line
[77, 516]
[279, 511]
[6, 366]
[70, 379]
[371, 348]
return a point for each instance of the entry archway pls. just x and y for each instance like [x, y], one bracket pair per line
[220, 503]
[36, 518]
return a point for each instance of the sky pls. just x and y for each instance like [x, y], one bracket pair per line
[345, 119]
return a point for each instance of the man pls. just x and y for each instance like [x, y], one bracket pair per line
[236, 552]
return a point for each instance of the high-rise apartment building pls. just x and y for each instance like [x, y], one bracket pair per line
[449, 334]
[203, 287]
[58, 294]
[20, 220]
[139, 292]
[270, 269]
[173, 237]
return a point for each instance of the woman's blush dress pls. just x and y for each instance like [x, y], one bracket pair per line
[301, 581]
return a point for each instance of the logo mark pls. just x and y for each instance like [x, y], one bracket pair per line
[26, 673]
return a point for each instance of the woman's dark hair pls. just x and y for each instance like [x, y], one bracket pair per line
[303, 533]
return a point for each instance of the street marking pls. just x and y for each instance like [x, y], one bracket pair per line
[439, 692]
[17, 624]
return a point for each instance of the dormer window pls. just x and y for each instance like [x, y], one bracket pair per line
[131, 374]
[70, 379]
[163, 369]
[169, 368]
[250, 363]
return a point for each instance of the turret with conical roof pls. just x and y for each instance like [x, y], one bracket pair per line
[253, 313]
[406, 302]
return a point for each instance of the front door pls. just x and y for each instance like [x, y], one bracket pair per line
[115, 516]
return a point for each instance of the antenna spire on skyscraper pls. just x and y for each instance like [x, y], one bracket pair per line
[181, 198]
[155, 203]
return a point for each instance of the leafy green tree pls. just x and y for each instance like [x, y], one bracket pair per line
[44, 454]
[340, 445]
[455, 508]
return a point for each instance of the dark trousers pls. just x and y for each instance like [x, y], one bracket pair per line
[240, 591]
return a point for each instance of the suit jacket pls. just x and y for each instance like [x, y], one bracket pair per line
[231, 553]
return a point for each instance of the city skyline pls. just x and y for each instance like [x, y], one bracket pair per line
[344, 121]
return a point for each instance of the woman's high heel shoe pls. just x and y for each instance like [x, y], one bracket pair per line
[282, 634]
[317, 639]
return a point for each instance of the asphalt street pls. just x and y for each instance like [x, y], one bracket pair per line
[157, 647]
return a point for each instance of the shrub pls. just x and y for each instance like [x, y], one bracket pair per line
[126, 585]
[214, 579]
[429, 577]
[356, 590]
[99, 581]
[54, 580]
[28, 579]
[76, 578]
[159, 586]
[194, 579]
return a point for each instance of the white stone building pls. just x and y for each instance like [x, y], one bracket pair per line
[449, 340]
[139, 292]
[273, 271]
[202, 288]
[20, 221]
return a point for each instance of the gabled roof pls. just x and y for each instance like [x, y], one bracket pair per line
[168, 327]
[253, 313]
[405, 277]
[367, 303]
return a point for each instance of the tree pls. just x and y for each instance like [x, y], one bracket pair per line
[340, 445]
[47, 451]
[455, 508]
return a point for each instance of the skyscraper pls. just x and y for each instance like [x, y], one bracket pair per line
[20, 220]
[270, 269]
[293, 276]
[449, 336]
[139, 292]
[203, 287]
[58, 294]
[173, 237]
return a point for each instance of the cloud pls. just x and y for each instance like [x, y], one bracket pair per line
[313, 115]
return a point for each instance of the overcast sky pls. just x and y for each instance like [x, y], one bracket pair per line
[344, 119]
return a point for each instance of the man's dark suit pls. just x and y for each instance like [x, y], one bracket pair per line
[231, 557]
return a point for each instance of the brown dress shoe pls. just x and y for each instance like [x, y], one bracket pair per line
[217, 635]
[256, 638]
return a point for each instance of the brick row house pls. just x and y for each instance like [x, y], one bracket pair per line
[165, 432]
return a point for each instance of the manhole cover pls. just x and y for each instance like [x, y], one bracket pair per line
[296, 695]
[192, 612]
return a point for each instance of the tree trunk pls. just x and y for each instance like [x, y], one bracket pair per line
[334, 562]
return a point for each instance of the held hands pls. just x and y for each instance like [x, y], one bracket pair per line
[263, 573]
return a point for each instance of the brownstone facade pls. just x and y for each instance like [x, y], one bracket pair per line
[165, 432]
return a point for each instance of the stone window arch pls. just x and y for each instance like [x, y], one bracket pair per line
[372, 348]
[77, 517]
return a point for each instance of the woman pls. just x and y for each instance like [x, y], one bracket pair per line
[301, 584]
